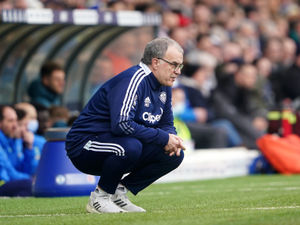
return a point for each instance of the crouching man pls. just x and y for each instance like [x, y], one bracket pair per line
[127, 128]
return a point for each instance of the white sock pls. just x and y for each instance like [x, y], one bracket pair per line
[121, 189]
[98, 190]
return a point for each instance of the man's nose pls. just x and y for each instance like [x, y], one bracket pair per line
[177, 71]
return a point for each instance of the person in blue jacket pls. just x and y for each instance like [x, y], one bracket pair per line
[125, 133]
[18, 158]
[29, 124]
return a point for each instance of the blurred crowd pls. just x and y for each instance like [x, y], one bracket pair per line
[241, 62]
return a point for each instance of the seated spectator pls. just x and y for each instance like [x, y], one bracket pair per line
[122, 52]
[17, 160]
[43, 117]
[201, 102]
[233, 101]
[290, 80]
[31, 141]
[27, 118]
[264, 95]
[178, 111]
[203, 135]
[47, 90]
[59, 116]
[31, 115]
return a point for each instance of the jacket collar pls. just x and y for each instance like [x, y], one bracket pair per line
[145, 68]
[153, 81]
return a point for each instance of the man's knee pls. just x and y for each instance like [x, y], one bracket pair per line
[174, 160]
[133, 148]
[180, 158]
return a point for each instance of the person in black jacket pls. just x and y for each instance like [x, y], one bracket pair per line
[290, 80]
[234, 101]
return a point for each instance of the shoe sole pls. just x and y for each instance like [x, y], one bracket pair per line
[92, 210]
[135, 211]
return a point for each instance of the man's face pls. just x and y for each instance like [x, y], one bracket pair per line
[56, 82]
[22, 127]
[9, 124]
[247, 77]
[165, 70]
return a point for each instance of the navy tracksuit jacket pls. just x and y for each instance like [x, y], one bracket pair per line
[126, 121]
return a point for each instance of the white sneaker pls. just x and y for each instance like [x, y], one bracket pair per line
[120, 199]
[100, 202]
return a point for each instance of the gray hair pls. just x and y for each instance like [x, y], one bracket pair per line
[157, 49]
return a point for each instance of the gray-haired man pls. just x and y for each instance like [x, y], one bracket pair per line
[127, 127]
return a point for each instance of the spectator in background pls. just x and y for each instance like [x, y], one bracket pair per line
[199, 90]
[202, 17]
[27, 118]
[180, 109]
[64, 4]
[295, 32]
[290, 81]
[102, 71]
[181, 35]
[202, 134]
[273, 50]
[247, 37]
[232, 57]
[234, 102]
[49, 87]
[263, 94]
[170, 20]
[205, 44]
[59, 116]
[54, 4]
[43, 118]
[122, 53]
[24, 4]
[17, 161]
[31, 115]
[289, 51]
[30, 141]
[116, 5]
[5, 4]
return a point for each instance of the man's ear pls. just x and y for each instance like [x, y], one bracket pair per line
[155, 63]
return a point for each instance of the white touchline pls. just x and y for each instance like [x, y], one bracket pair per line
[266, 208]
[42, 215]
[271, 208]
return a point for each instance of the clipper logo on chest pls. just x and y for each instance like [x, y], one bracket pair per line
[147, 116]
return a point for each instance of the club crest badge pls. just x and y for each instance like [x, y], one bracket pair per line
[147, 102]
[163, 97]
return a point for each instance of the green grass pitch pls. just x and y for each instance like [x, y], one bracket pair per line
[255, 200]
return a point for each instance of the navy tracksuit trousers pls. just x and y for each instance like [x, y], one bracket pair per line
[111, 157]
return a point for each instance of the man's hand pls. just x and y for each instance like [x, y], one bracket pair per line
[201, 114]
[28, 138]
[174, 146]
